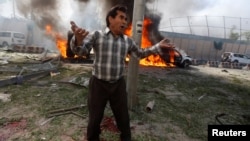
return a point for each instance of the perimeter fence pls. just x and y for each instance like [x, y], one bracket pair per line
[207, 37]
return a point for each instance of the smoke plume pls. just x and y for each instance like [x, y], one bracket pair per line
[42, 12]
[91, 13]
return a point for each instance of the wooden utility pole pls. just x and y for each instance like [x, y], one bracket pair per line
[132, 74]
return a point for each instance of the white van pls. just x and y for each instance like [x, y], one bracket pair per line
[11, 38]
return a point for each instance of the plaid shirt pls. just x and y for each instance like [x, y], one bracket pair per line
[110, 53]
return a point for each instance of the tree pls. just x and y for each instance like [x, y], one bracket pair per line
[234, 35]
[247, 35]
[218, 45]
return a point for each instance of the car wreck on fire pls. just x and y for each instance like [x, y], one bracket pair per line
[69, 51]
[176, 57]
[171, 56]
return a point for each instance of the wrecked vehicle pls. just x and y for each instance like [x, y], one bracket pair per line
[170, 56]
[70, 52]
[176, 57]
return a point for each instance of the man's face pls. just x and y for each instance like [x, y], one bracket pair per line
[119, 23]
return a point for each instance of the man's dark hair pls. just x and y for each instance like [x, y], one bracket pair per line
[113, 12]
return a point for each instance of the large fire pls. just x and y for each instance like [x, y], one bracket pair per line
[61, 43]
[152, 60]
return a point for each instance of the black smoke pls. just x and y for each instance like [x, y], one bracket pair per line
[153, 28]
[45, 12]
[42, 12]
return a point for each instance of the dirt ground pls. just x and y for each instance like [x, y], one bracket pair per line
[243, 74]
[22, 115]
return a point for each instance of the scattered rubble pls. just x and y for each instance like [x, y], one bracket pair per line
[5, 97]
[26, 65]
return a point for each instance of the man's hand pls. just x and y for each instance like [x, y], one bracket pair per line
[79, 33]
[165, 43]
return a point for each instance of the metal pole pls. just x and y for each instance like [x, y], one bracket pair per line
[240, 29]
[132, 74]
[224, 20]
[13, 4]
[240, 36]
[170, 21]
[207, 27]
[190, 28]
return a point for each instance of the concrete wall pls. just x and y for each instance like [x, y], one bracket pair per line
[202, 48]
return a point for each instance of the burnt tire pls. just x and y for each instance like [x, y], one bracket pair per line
[185, 64]
[235, 61]
[69, 52]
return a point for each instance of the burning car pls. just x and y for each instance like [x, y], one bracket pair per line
[69, 52]
[176, 57]
[171, 57]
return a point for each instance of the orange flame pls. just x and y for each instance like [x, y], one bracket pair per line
[48, 29]
[152, 60]
[61, 43]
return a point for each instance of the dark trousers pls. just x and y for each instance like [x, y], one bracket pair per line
[100, 92]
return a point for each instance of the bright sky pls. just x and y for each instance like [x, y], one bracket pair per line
[239, 8]
[6, 8]
[201, 8]
[168, 8]
[233, 8]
